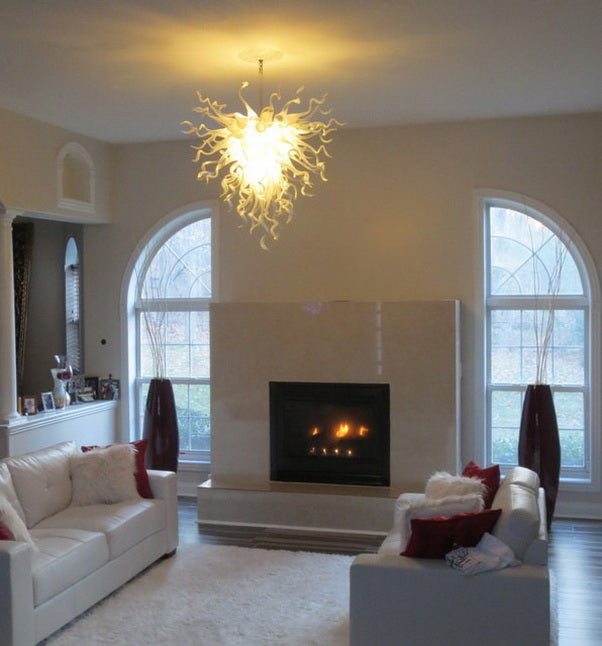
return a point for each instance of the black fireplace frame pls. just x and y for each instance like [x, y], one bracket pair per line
[371, 471]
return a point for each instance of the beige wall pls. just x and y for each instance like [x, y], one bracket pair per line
[28, 168]
[396, 220]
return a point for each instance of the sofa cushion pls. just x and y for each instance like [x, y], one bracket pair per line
[140, 472]
[42, 481]
[409, 507]
[64, 557]
[7, 490]
[433, 538]
[519, 523]
[442, 484]
[490, 476]
[124, 524]
[104, 475]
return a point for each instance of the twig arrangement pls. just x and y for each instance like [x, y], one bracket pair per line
[154, 315]
[544, 319]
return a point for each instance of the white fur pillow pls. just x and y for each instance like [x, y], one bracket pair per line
[104, 475]
[423, 507]
[442, 484]
[11, 520]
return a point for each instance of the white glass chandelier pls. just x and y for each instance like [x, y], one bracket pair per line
[266, 160]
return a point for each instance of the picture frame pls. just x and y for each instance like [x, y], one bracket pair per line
[47, 401]
[109, 389]
[91, 387]
[30, 405]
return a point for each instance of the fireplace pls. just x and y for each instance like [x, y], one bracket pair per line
[329, 433]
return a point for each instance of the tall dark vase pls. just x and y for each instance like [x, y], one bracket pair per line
[161, 427]
[539, 443]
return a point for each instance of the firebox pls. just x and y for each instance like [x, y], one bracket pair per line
[329, 432]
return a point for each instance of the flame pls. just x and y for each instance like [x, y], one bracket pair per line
[315, 431]
[342, 430]
[363, 431]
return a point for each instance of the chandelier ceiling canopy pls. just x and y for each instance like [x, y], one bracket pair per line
[266, 159]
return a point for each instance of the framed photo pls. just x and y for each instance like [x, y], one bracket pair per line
[109, 389]
[30, 405]
[47, 401]
[91, 387]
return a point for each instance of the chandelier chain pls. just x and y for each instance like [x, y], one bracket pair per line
[260, 84]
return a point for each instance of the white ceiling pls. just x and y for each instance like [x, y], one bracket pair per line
[127, 70]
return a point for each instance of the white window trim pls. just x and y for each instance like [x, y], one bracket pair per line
[166, 226]
[481, 197]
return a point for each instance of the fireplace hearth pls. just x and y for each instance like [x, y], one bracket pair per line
[330, 432]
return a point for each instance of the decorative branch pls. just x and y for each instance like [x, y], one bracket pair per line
[543, 320]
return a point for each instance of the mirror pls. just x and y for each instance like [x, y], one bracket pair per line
[41, 317]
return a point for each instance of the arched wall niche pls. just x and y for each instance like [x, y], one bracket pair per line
[76, 178]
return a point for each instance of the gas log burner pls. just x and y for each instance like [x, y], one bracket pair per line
[329, 432]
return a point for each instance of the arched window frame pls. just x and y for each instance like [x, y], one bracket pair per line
[145, 250]
[482, 442]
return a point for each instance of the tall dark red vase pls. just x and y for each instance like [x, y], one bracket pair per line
[161, 426]
[539, 442]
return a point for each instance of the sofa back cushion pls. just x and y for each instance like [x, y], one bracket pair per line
[42, 481]
[519, 522]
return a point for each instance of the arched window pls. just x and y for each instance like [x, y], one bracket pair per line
[538, 323]
[171, 283]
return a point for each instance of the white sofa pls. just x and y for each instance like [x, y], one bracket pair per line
[414, 601]
[79, 553]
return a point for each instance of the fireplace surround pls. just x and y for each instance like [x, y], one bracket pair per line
[329, 432]
[412, 346]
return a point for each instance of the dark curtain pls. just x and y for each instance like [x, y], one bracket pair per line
[22, 250]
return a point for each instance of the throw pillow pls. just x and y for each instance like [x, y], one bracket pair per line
[13, 524]
[104, 475]
[5, 533]
[433, 538]
[408, 508]
[442, 484]
[490, 476]
[141, 474]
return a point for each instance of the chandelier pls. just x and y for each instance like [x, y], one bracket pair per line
[266, 160]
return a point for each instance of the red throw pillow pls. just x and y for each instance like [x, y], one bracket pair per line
[433, 538]
[490, 476]
[5, 533]
[142, 481]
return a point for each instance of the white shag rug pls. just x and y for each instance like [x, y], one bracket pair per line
[210, 595]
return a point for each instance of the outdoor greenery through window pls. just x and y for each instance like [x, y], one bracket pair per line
[176, 291]
[533, 270]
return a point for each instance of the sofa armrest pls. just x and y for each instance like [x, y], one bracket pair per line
[16, 598]
[164, 485]
[425, 602]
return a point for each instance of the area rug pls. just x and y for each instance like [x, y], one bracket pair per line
[210, 595]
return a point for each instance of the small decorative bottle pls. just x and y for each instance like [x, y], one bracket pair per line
[61, 376]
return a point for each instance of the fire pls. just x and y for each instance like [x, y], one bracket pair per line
[342, 430]
[340, 440]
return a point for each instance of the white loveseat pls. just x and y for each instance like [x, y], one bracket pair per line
[74, 555]
[424, 602]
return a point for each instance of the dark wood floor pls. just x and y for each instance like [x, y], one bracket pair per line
[575, 559]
